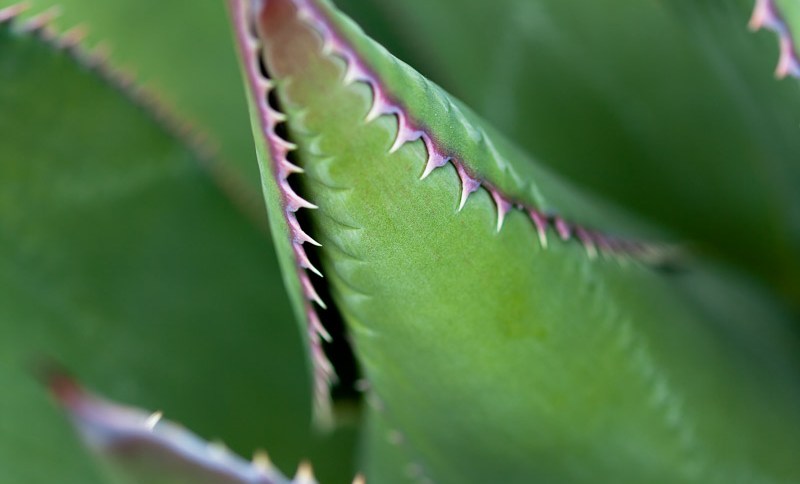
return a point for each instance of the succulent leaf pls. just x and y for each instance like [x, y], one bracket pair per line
[529, 352]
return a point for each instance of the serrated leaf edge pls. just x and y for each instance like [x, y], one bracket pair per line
[278, 148]
[410, 130]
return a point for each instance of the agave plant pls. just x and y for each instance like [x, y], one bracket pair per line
[603, 288]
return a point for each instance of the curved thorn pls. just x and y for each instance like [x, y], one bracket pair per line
[295, 202]
[303, 261]
[298, 235]
[405, 132]
[788, 63]
[468, 184]
[41, 20]
[13, 11]
[151, 421]
[309, 291]
[355, 72]
[764, 15]
[503, 207]
[262, 462]
[317, 326]
[435, 158]
[563, 229]
[380, 105]
[540, 221]
[588, 243]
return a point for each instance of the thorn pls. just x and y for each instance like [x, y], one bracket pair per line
[295, 202]
[330, 46]
[316, 325]
[10, 13]
[787, 63]
[288, 145]
[587, 241]
[261, 461]
[563, 229]
[263, 88]
[127, 80]
[324, 366]
[153, 420]
[303, 261]
[100, 54]
[763, 15]
[49, 33]
[355, 72]
[73, 37]
[298, 235]
[435, 158]
[309, 291]
[217, 450]
[604, 243]
[304, 13]
[405, 133]
[468, 184]
[380, 104]
[276, 116]
[287, 167]
[541, 226]
[503, 207]
[305, 474]
[41, 20]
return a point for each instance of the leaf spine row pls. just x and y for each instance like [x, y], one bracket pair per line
[251, 49]
[409, 130]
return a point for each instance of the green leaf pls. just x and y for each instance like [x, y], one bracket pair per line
[668, 108]
[122, 259]
[551, 349]
[137, 446]
[181, 55]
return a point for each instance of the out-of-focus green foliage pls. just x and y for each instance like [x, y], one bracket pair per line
[123, 260]
[180, 51]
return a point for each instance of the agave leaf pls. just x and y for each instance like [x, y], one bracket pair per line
[138, 446]
[122, 259]
[180, 54]
[509, 329]
[669, 108]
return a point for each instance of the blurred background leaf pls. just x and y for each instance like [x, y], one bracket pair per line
[123, 260]
[181, 51]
